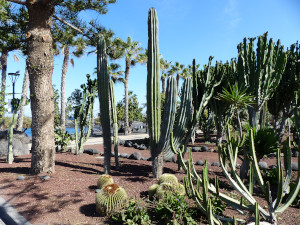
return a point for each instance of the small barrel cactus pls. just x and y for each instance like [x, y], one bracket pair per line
[104, 180]
[152, 190]
[168, 178]
[167, 189]
[109, 199]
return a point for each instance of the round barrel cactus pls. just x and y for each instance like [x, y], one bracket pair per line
[168, 178]
[109, 199]
[104, 180]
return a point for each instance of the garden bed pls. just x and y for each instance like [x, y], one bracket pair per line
[68, 197]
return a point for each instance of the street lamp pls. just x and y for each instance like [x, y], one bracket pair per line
[14, 77]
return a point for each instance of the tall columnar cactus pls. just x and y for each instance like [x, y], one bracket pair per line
[260, 71]
[159, 134]
[115, 123]
[84, 114]
[103, 93]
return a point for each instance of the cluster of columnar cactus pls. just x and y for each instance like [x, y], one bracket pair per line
[84, 114]
[228, 155]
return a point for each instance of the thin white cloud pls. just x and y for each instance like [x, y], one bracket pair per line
[232, 13]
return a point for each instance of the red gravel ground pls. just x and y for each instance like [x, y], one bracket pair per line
[69, 196]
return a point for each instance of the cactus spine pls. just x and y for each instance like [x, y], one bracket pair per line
[115, 123]
[103, 92]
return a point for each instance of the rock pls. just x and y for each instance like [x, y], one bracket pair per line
[171, 159]
[97, 190]
[204, 148]
[263, 165]
[121, 142]
[149, 159]
[295, 153]
[91, 151]
[135, 145]
[196, 149]
[20, 141]
[136, 156]
[124, 155]
[273, 167]
[294, 166]
[45, 177]
[112, 154]
[142, 147]
[272, 155]
[128, 144]
[21, 178]
[144, 158]
[215, 164]
[212, 150]
[199, 162]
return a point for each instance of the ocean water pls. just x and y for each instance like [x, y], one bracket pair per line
[70, 130]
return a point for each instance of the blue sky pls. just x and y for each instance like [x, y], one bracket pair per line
[187, 29]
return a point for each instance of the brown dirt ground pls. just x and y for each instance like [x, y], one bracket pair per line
[69, 196]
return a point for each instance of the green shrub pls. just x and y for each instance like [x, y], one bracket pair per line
[62, 140]
[134, 213]
[173, 209]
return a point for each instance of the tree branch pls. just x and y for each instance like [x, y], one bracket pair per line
[18, 2]
[73, 27]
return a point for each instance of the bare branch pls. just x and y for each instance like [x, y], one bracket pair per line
[18, 1]
[73, 27]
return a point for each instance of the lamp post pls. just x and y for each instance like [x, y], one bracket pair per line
[14, 105]
[14, 77]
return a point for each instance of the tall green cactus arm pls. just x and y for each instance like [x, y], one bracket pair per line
[183, 117]
[103, 93]
[115, 122]
[169, 113]
[153, 80]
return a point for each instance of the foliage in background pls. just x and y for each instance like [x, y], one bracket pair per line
[206, 123]
[62, 140]
[134, 110]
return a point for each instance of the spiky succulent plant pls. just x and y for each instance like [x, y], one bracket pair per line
[109, 199]
[104, 180]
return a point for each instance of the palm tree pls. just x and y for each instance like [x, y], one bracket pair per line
[177, 68]
[132, 55]
[164, 66]
[66, 37]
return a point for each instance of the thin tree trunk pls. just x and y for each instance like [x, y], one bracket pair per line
[63, 89]
[163, 85]
[127, 129]
[23, 100]
[177, 83]
[40, 68]
[3, 61]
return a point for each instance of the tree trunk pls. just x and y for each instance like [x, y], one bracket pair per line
[163, 85]
[23, 100]
[157, 163]
[40, 68]
[3, 61]
[63, 89]
[177, 83]
[127, 129]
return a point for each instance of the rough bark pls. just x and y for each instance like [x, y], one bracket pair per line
[23, 101]
[3, 61]
[63, 89]
[157, 163]
[40, 68]
[127, 128]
